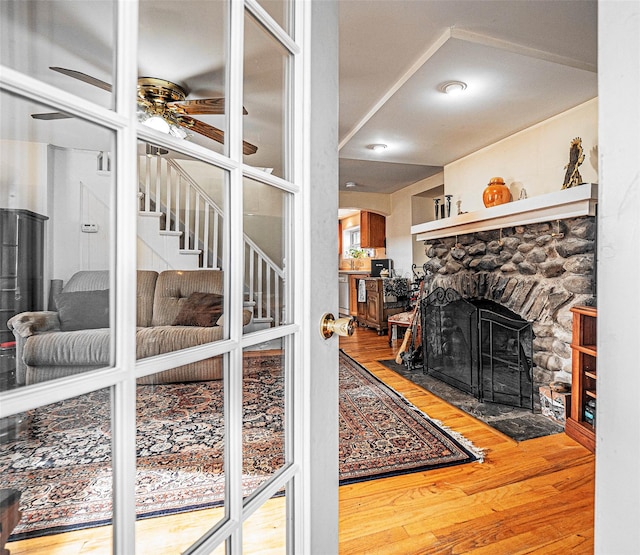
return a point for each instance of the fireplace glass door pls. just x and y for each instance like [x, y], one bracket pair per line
[450, 340]
[505, 357]
[479, 347]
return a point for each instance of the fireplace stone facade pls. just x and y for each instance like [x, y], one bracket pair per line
[537, 270]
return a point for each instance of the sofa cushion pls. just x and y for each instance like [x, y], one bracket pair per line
[145, 290]
[90, 280]
[174, 287]
[74, 348]
[200, 309]
[84, 348]
[83, 310]
[165, 339]
[87, 280]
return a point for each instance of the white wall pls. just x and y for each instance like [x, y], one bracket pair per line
[400, 243]
[23, 176]
[79, 194]
[617, 509]
[379, 203]
[534, 158]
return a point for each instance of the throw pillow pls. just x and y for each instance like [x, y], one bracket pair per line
[200, 309]
[83, 310]
[246, 318]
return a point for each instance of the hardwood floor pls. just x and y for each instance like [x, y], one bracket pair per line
[530, 497]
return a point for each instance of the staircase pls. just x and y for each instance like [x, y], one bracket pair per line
[180, 227]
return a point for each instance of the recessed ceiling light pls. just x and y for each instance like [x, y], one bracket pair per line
[377, 147]
[350, 184]
[453, 87]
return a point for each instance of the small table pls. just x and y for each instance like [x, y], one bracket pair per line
[10, 515]
[403, 320]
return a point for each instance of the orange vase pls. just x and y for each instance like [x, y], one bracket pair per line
[496, 193]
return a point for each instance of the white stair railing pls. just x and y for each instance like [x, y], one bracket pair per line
[264, 281]
[168, 190]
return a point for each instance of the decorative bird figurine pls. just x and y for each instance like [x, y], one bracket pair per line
[572, 176]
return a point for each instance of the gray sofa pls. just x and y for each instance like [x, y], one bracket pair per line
[44, 351]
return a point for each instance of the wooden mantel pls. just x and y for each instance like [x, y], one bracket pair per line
[566, 203]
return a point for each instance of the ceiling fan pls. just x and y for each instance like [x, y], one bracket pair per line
[162, 105]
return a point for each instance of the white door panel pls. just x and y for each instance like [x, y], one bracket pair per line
[246, 54]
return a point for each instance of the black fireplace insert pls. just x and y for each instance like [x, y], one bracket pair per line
[479, 347]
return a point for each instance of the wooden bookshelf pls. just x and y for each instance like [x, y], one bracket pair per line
[582, 421]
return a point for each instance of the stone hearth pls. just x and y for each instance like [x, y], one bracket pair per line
[537, 270]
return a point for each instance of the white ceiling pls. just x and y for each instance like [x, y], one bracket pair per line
[523, 61]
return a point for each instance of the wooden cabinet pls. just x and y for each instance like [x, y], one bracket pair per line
[374, 314]
[372, 230]
[21, 265]
[361, 314]
[582, 421]
[353, 293]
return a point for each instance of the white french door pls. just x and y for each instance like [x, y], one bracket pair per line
[275, 65]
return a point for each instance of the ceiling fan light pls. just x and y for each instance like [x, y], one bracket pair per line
[158, 123]
[178, 131]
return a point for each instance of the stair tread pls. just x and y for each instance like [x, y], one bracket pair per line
[150, 214]
[190, 251]
[170, 232]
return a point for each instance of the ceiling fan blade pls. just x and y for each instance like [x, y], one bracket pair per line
[212, 132]
[51, 115]
[84, 77]
[201, 106]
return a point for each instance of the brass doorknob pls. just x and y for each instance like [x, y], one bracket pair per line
[329, 325]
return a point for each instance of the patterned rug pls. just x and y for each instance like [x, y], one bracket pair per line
[61, 460]
[382, 434]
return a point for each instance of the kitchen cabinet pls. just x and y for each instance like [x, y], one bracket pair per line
[372, 230]
[374, 313]
[353, 292]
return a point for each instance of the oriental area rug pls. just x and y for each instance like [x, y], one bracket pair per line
[61, 459]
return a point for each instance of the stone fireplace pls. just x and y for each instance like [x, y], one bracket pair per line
[536, 271]
[479, 347]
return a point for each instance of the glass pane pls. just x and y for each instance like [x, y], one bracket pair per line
[67, 44]
[264, 416]
[265, 531]
[279, 10]
[182, 69]
[266, 222]
[180, 484]
[265, 99]
[56, 196]
[57, 461]
[181, 296]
